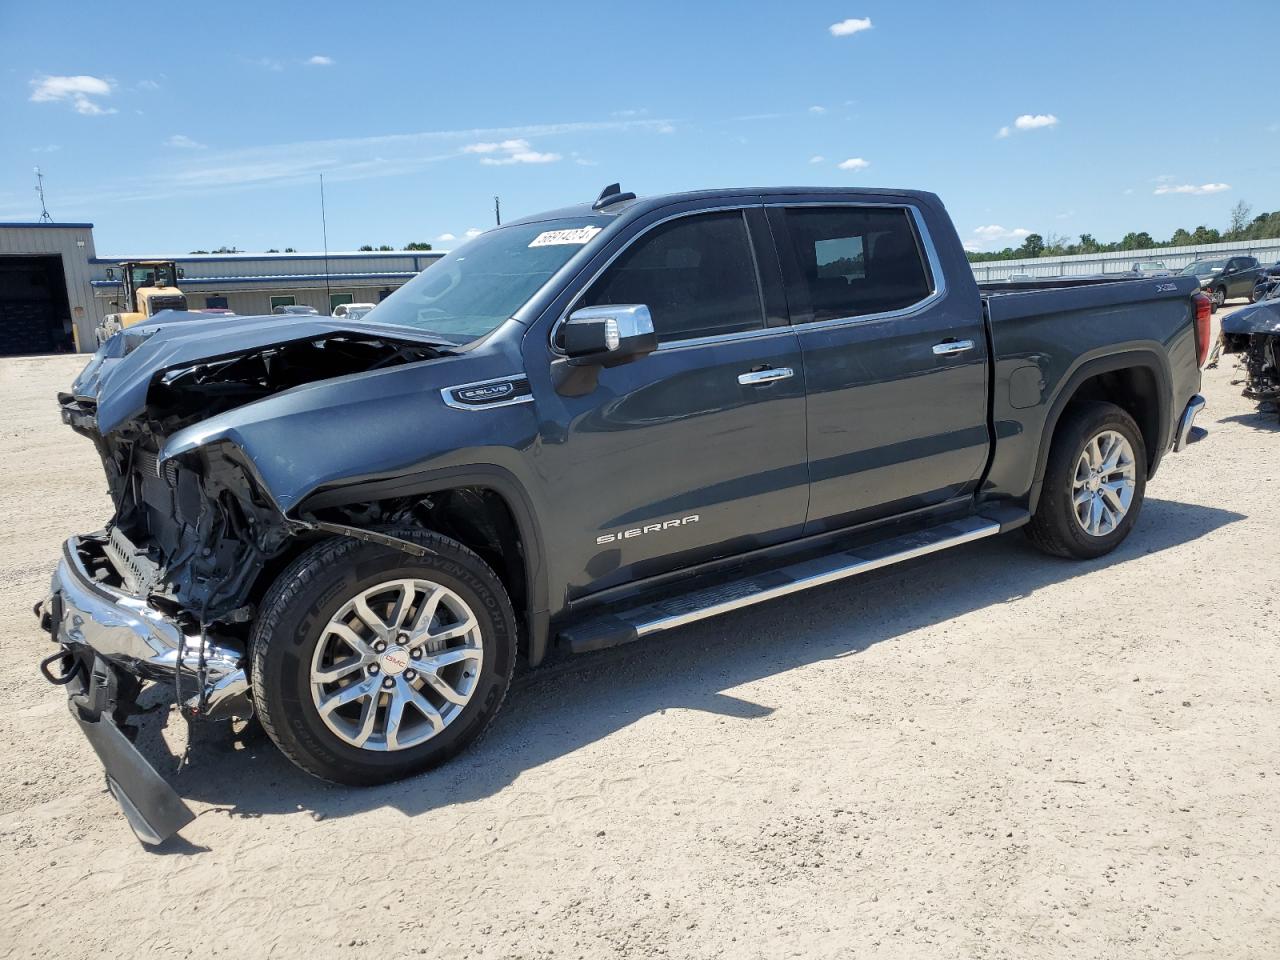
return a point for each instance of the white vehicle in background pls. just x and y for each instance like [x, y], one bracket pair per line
[1150, 268]
[352, 311]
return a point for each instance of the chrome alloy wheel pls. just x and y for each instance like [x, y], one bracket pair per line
[1102, 489]
[396, 665]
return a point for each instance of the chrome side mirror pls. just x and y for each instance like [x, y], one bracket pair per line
[609, 335]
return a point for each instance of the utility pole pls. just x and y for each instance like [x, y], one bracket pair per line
[44, 211]
[324, 227]
[497, 210]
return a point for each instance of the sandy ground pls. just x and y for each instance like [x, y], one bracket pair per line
[986, 753]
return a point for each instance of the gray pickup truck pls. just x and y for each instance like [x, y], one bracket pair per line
[580, 430]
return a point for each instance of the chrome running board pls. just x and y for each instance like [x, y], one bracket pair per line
[629, 625]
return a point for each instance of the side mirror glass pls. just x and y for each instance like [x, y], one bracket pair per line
[609, 335]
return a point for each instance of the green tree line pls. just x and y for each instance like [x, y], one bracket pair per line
[1265, 226]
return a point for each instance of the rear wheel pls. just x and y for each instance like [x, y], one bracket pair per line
[370, 665]
[1094, 483]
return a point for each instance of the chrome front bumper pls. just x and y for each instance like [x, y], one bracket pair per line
[138, 639]
[1187, 422]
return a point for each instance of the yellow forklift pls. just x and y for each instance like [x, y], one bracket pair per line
[149, 287]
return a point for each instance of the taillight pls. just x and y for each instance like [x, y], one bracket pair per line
[1204, 321]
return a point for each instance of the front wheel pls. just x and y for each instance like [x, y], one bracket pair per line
[370, 665]
[1219, 297]
[1094, 483]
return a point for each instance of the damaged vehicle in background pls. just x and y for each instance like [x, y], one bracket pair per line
[579, 430]
[1254, 332]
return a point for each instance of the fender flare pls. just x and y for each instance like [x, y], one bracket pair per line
[1151, 357]
[492, 477]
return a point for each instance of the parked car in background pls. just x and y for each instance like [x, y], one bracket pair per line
[1225, 278]
[1150, 268]
[352, 311]
[580, 430]
[297, 310]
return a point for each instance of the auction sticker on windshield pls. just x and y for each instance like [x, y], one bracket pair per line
[577, 237]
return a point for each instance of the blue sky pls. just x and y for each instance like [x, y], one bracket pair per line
[196, 126]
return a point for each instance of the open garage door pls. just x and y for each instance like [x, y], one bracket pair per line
[35, 316]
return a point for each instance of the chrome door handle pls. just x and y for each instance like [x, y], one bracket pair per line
[756, 377]
[948, 347]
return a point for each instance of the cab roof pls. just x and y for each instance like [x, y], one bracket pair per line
[642, 205]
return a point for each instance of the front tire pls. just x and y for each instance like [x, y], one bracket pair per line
[370, 665]
[1094, 483]
[1219, 297]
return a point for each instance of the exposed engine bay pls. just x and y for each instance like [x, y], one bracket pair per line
[1254, 333]
[194, 532]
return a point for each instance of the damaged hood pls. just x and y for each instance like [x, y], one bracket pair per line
[121, 373]
[1261, 317]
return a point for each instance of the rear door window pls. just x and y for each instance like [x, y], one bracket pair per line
[857, 261]
[696, 274]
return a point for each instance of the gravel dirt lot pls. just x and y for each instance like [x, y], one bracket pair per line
[986, 753]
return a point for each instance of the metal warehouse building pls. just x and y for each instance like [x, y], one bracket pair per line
[55, 289]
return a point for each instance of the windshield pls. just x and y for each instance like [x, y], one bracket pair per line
[471, 291]
[1204, 268]
[153, 275]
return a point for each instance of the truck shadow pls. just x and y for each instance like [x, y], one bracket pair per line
[547, 717]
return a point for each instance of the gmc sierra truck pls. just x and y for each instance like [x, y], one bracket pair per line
[579, 430]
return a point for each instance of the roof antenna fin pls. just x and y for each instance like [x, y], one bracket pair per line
[610, 195]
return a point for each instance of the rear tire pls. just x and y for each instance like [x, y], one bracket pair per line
[1094, 483]
[370, 665]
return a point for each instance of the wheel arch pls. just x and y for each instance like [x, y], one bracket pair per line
[1137, 380]
[512, 495]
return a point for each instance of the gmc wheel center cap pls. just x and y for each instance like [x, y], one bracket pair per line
[394, 660]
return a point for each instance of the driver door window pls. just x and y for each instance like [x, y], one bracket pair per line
[696, 275]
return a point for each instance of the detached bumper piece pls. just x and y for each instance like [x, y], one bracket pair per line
[153, 809]
[110, 642]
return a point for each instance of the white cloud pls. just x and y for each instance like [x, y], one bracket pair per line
[665, 128]
[507, 152]
[148, 85]
[854, 163]
[817, 158]
[846, 28]
[270, 63]
[79, 91]
[446, 237]
[47, 148]
[630, 113]
[1192, 188]
[817, 109]
[320, 60]
[473, 233]
[992, 234]
[183, 142]
[1028, 121]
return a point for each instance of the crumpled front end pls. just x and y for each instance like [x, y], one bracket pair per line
[1255, 332]
[167, 591]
